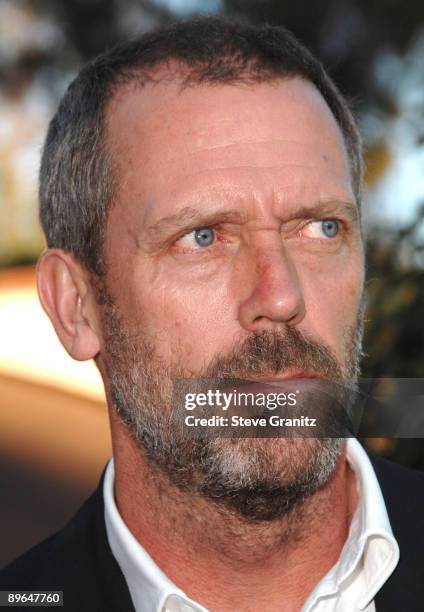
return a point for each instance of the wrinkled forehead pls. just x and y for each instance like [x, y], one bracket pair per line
[163, 134]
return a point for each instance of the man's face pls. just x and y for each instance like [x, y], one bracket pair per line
[235, 218]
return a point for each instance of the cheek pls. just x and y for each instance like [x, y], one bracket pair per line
[332, 297]
[191, 321]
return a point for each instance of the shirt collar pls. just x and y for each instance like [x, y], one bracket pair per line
[371, 546]
[370, 542]
[376, 542]
[149, 587]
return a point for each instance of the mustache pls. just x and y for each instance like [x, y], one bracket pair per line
[275, 352]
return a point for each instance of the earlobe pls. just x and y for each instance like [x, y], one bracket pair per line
[64, 294]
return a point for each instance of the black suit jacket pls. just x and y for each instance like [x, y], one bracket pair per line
[78, 560]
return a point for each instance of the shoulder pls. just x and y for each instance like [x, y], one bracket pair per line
[76, 560]
[399, 484]
[53, 554]
[403, 492]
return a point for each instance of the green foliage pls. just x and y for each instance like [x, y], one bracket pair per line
[394, 332]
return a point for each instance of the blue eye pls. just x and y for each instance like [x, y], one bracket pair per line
[330, 227]
[204, 236]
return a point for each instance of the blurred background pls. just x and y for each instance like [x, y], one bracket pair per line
[54, 437]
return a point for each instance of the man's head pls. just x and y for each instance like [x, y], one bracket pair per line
[200, 191]
[79, 177]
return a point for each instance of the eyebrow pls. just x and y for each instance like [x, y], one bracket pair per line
[187, 217]
[327, 208]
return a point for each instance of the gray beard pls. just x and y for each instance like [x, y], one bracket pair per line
[260, 479]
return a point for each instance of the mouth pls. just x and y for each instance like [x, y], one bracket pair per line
[290, 375]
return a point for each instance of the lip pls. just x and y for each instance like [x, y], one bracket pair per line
[284, 376]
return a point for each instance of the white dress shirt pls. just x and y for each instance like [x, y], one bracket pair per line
[369, 555]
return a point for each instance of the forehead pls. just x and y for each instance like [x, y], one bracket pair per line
[265, 136]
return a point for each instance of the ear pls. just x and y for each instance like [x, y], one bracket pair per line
[66, 296]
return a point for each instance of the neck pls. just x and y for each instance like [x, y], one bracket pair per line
[218, 557]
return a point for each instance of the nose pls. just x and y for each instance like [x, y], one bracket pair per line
[275, 297]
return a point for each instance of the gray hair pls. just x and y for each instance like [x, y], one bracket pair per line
[78, 181]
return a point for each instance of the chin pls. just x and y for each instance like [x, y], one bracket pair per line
[261, 479]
